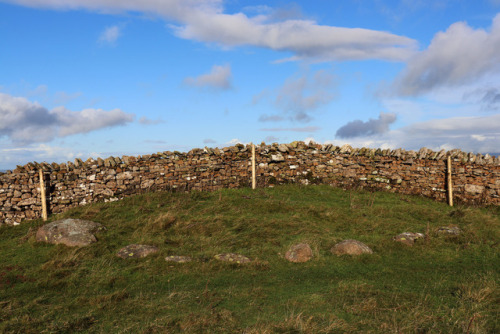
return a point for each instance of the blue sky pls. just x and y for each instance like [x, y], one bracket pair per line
[90, 78]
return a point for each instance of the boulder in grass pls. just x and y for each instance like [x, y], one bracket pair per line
[178, 258]
[135, 251]
[299, 253]
[70, 232]
[408, 238]
[232, 257]
[351, 247]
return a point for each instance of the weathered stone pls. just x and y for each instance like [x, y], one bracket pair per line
[135, 251]
[345, 149]
[27, 201]
[232, 257]
[475, 189]
[178, 258]
[351, 247]
[299, 253]
[277, 158]
[70, 232]
[408, 238]
[282, 148]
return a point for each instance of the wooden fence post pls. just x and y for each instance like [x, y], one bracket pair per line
[253, 167]
[449, 182]
[42, 195]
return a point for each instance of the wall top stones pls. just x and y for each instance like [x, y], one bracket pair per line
[263, 150]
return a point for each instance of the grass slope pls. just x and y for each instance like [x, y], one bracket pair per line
[445, 284]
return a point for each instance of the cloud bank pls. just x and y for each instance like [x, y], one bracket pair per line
[26, 122]
[205, 21]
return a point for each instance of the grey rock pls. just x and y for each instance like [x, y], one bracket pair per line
[70, 232]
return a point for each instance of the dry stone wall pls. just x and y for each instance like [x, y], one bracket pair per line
[476, 178]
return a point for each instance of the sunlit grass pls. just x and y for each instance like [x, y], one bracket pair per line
[446, 284]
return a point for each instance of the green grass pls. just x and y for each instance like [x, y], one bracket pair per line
[443, 285]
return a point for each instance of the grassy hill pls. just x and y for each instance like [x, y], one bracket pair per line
[444, 284]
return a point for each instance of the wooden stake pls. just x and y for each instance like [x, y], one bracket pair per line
[253, 167]
[450, 185]
[42, 193]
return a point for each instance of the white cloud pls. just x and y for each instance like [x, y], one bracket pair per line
[209, 141]
[205, 21]
[219, 78]
[455, 57]
[110, 35]
[26, 122]
[234, 142]
[359, 128]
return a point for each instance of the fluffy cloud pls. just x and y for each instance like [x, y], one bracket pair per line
[359, 128]
[455, 57]
[26, 122]
[110, 35]
[205, 21]
[219, 78]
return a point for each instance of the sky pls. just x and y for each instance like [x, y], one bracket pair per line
[99, 78]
